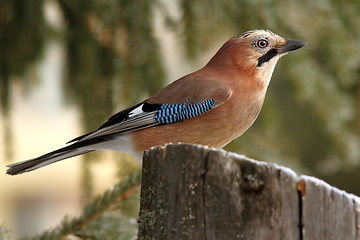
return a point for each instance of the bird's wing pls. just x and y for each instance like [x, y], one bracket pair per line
[177, 102]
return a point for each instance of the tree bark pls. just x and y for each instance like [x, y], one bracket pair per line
[194, 192]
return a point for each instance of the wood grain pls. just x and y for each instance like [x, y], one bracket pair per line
[194, 192]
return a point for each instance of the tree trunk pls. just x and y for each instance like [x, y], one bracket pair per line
[193, 192]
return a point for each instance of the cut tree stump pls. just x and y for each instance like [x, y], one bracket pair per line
[194, 192]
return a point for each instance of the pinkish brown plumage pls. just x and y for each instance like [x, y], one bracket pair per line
[211, 106]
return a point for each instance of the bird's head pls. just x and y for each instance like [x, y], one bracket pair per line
[255, 53]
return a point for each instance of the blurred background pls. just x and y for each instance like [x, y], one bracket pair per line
[66, 66]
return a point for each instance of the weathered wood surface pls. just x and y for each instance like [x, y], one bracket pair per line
[193, 192]
[327, 212]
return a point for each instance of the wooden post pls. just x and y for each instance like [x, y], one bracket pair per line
[193, 192]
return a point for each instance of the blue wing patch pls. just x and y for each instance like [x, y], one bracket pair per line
[172, 113]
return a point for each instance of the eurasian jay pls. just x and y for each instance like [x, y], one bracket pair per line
[211, 106]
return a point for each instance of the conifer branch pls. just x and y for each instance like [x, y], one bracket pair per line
[95, 209]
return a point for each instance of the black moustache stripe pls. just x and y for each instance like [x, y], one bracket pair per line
[267, 56]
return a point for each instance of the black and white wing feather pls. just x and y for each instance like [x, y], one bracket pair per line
[146, 115]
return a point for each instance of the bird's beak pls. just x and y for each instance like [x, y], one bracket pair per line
[291, 45]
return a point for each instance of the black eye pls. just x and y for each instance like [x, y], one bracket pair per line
[262, 43]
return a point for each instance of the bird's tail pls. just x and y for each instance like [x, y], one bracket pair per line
[35, 163]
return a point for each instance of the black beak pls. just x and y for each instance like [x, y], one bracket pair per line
[291, 45]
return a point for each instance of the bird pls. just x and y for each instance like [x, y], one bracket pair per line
[211, 106]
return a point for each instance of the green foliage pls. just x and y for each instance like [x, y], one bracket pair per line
[104, 217]
[114, 226]
[18, 51]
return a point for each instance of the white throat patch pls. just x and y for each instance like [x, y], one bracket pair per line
[266, 69]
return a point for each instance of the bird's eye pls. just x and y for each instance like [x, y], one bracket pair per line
[262, 43]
